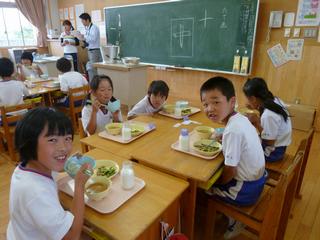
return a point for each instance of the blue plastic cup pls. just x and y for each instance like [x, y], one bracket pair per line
[74, 163]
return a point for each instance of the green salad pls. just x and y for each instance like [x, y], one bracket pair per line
[206, 147]
[106, 171]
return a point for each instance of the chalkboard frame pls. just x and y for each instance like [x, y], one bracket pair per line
[165, 66]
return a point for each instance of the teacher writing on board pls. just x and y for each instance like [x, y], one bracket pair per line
[92, 43]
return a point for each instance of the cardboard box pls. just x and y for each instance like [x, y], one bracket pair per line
[302, 116]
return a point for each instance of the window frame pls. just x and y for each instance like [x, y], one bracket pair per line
[13, 5]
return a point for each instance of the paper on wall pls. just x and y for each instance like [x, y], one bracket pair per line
[66, 13]
[288, 19]
[277, 55]
[295, 49]
[61, 14]
[308, 13]
[71, 12]
[79, 9]
[96, 16]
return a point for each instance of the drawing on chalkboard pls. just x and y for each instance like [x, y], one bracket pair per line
[204, 20]
[224, 16]
[182, 30]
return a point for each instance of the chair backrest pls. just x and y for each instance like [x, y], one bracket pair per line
[14, 113]
[82, 134]
[272, 218]
[77, 94]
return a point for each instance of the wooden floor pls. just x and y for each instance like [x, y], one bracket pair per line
[305, 224]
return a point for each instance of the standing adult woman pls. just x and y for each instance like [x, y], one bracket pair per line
[69, 42]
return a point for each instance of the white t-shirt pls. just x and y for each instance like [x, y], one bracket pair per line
[275, 127]
[29, 71]
[143, 106]
[11, 93]
[102, 119]
[71, 39]
[71, 80]
[35, 210]
[242, 148]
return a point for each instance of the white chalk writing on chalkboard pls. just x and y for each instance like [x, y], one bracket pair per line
[204, 20]
[182, 31]
[224, 17]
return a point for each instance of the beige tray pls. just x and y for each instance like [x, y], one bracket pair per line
[193, 111]
[193, 138]
[115, 198]
[118, 138]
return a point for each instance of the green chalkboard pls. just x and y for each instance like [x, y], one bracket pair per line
[200, 34]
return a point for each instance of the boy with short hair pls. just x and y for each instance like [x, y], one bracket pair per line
[68, 79]
[157, 95]
[11, 91]
[243, 176]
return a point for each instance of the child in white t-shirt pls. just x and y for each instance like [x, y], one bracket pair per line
[274, 123]
[44, 141]
[28, 69]
[157, 95]
[243, 176]
[12, 91]
[95, 113]
[69, 79]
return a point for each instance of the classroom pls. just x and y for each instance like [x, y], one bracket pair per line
[159, 119]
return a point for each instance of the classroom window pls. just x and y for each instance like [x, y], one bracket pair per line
[15, 29]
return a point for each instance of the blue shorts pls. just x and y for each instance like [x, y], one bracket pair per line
[240, 193]
[66, 103]
[276, 155]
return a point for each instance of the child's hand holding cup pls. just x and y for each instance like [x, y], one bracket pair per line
[78, 162]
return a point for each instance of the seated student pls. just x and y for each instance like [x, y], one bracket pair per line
[274, 123]
[27, 68]
[157, 94]
[95, 114]
[44, 140]
[68, 79]
[11, 91]
[243, 176]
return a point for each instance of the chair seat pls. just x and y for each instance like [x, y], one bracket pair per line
[256, 211]
[280, 166]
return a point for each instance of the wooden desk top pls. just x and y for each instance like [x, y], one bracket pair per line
[41, 89]
[154, 148]
[126, 150]
[136, 215]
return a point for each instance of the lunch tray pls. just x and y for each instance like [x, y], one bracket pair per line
[194, 110]
[191, 151]
[118, 138]
[116, 196]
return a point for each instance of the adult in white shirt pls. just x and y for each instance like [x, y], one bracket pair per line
[69, 79]
[69, 42]
[92, 43]
[274, 123]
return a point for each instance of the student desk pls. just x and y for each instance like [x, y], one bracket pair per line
[126, 150]
[154, 150]
[139, 217]
[44, 91]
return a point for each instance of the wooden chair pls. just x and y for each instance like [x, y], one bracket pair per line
[263, 217]
[75, 95]
[82, 134]
[8, 127]
[276, 168]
